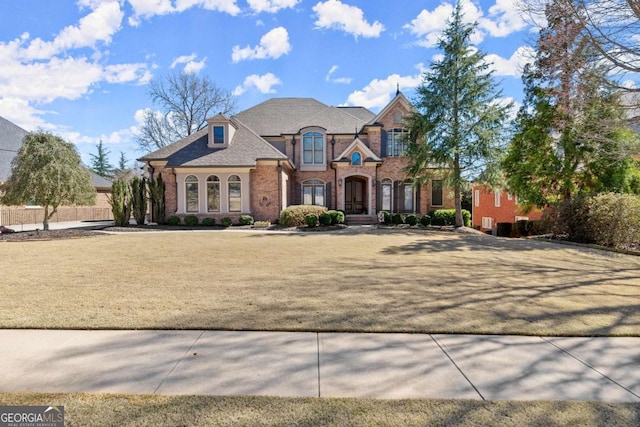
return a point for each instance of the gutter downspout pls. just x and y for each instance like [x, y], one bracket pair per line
[279, 172]
[335, 172]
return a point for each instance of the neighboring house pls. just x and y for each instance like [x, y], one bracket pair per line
[289, 151]
[493, 206]
[11, 137]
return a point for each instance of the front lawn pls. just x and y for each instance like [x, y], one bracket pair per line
[383, 281]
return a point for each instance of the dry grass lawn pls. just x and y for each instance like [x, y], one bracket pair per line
[127, 410]
[432, 282]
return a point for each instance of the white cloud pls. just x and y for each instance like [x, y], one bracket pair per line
[350, 19]
[147, 9]
[191, 66]
[379, 92]
[264, 84]
[37, 72]
[512, 66]
[271, 6]
[503, 19]
[330, 78]
[274, 44]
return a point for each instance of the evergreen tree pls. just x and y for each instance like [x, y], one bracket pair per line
[570, 134]
[48, 172]
[100, 161]
[458, 124]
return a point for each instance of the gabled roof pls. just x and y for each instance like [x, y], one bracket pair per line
[399, 98]
[11, 137]
[100, 181]
[244, 149]
[358, 145]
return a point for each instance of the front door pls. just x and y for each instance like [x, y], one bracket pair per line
[354, 196]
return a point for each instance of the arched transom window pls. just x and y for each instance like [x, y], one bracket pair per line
[313, 148]
[191, 193]
[313, 192]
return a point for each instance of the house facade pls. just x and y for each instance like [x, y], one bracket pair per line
[11, 137]
[290, 151]
[491, 206]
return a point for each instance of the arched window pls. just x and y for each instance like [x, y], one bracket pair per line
[313, 192]
[313, 148]
[356, 159]
[396, 142]
[386, 194]
[213, 194]
[235, 193]
[191, 193]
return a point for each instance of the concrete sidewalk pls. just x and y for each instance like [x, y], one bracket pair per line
[321, 364]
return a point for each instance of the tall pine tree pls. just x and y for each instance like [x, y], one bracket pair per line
[100, 161]
[459, 122]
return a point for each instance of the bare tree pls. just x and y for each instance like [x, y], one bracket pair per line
[185, 101]
[612, 26]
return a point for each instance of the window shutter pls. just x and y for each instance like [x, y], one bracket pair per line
[298, 195]
[416, 208]
[397, 201]
[383, 143]
[378, 196]
[327, 195]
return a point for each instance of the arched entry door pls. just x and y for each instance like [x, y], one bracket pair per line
[355, 200]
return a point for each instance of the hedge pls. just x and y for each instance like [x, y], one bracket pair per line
[448, 217]
[294, 216]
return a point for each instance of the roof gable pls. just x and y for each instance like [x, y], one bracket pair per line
[398, 99]
[358, 145]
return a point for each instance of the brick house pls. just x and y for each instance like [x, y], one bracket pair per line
[288, 151]
[493, 206]
[11, 137]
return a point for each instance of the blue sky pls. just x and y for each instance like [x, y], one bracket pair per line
[81, 68]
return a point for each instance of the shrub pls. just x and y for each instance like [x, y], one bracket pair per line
[503, 229]
[614, 219]
[139, 199]
[448, 217]
[569, 218]
[425, 220]
[295, 215]
[411, 219]
[226, 221]
[191, 220]
[173, 220]
[311, 220]
[262, 224]
[120, 201]
[157, 199]
[386, 217]
[209, 222]
[245, 220]
[325, 218]
[522, 227]
[337, 217]
[397, 219]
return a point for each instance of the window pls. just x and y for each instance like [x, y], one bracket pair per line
[218, 134]
[407, 197]
[313, 192]
[397, 117]
[235, 193]
[497, 195]
[213, 194]
[191, 192]
[356, 159]
[385, 190]
[436, 192]
[509, 196]
[487, 222]
[313, 148]
[476, 198]
[396, 142]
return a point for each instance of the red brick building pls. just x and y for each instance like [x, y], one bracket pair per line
[493, 206]
[289, 151]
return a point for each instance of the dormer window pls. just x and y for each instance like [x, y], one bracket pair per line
[218, 134]
[221, 131]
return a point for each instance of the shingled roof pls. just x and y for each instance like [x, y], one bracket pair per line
[245, 149]
[278, 116]
[11, 137]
